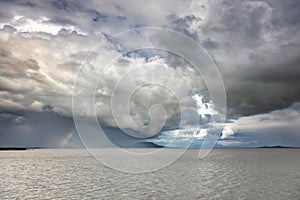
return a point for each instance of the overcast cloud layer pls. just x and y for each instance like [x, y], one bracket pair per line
[254, 43]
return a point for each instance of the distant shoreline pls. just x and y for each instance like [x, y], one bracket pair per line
[278, 147]
[13, 148]
[32, 148]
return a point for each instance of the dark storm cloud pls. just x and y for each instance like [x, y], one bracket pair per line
[286, 73]
[263, 88]
[256, 46]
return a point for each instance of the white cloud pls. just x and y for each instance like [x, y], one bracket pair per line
[227, 131]
[43, 24]
[280, 127]
[285, 118]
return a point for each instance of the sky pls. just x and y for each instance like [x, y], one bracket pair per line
[254, 44]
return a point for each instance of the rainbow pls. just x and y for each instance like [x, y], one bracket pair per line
[67, 138]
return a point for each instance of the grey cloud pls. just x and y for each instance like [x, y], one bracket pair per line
[15, 119]
[15, 72]
[64, 5]
[286, 14]
[31, 79]
[183, 24]
[288, 72]
[255, 44]
[9, 29]
[14, 67]
[264, 87]
[209, 44]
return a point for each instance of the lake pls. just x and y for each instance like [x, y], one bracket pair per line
[223, 174]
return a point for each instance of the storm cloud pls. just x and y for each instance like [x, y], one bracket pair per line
[255, 45]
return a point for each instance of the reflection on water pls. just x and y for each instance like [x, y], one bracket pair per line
[223, 174]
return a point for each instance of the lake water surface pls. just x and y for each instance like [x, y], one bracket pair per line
[223, 174]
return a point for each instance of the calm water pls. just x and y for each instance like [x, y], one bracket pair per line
[224, 174]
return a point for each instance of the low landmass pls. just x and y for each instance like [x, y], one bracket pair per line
[275, 147]
[13, 148]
